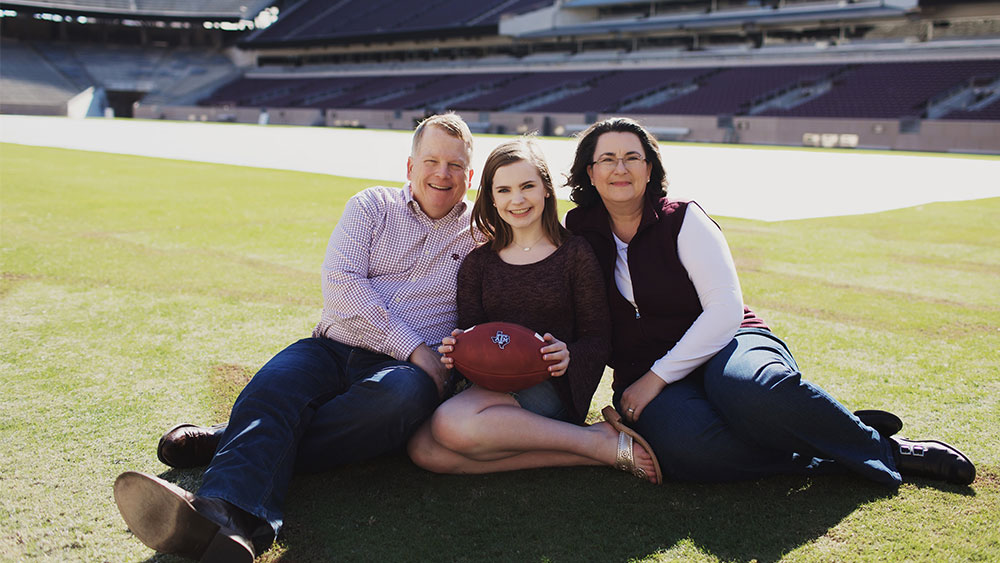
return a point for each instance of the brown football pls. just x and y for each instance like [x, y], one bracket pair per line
[501, 356]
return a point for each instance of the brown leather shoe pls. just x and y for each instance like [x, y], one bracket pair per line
[169, 519]
[885, 422]
[185, 446]
[934, 460]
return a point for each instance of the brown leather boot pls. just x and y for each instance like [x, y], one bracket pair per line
[885, 422]
[186, 445]
[169, 519]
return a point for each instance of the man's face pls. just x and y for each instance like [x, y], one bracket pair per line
[439, 172]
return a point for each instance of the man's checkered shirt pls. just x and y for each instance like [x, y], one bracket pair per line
[389, 277]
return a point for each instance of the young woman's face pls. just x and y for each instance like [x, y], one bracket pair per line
[519, 194]
[619, 171]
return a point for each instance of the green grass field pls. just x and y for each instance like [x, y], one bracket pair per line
[137, 293]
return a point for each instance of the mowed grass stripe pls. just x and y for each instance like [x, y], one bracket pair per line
[140, 292]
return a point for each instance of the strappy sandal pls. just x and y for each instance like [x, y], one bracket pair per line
[625, 460]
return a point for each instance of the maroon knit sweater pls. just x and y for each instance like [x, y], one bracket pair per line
[563, 294]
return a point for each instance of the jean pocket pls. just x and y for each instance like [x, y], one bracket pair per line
[361, 360]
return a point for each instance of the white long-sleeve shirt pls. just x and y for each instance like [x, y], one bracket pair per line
[705, 255]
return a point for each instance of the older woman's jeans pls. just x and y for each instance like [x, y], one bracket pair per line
[747, 413]
[316, 405]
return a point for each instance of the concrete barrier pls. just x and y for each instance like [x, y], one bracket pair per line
[928, 135]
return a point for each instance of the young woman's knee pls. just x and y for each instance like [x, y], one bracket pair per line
[423, 451]
[452, 426]
[457, 424]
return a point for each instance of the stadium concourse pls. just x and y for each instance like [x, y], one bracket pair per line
[755, 183]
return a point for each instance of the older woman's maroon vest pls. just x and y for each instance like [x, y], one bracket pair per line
[667, 302]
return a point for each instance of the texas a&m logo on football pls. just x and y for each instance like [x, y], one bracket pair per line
[501, 339]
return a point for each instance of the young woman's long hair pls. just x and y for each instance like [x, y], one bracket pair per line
[485, 216]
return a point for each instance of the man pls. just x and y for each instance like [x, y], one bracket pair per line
[367, 378]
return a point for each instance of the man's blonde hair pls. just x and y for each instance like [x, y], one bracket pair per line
[451, 123]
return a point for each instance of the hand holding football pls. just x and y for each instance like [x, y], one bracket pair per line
[501, 356]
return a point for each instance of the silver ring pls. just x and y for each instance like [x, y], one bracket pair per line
[631, 410]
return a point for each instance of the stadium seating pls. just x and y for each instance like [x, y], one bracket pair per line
[891, 90]
[612, 90]
[382, 92]
[344, 92]
[309, 92]
[731, 90]
[990, 112]
[28, 78]
[169, 73]
[872, 90]
[523, 88]
[438, 94]
[62, 57]
[253, 92]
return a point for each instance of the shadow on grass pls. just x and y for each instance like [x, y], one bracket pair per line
[389, 510]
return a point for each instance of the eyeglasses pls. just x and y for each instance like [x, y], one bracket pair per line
[609, 163]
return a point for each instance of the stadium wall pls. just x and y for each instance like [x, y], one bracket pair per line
[16, 108]
[916, 135]
[274, 116]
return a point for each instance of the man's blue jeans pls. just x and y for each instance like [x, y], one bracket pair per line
[316, 405]
[748, 413]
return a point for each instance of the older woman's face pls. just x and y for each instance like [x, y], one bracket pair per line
[619, 171]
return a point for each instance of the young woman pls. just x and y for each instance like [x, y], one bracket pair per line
[532, 272]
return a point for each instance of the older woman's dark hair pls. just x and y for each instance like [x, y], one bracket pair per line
[583, 191]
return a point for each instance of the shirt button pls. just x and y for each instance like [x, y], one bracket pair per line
[398, 299]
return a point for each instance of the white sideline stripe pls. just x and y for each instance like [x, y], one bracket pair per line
[764, 184]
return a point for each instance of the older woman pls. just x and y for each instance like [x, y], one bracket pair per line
[717, 395]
